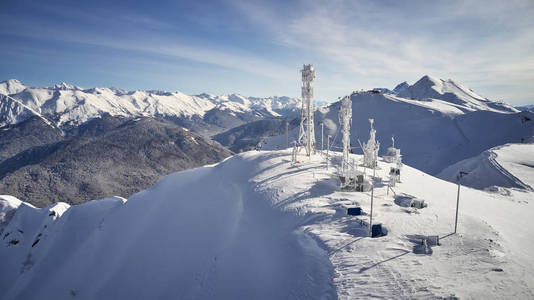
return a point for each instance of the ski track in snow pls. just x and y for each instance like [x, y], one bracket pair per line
[516, 181]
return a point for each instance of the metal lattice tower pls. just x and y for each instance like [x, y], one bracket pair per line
[345, 119]
[307, 133]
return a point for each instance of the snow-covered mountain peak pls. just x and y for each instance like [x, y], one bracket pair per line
[449, 92]
[430, 79]
[239, 99]
[11, 86]
[63, 86]
[400, 87]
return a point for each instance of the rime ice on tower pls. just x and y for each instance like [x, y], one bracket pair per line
[345, 119]
[350, 178]
[370, 149]
[307, 133]
[393, 154]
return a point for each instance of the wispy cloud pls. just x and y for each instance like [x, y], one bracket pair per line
[148, 41]
[489, 46]
[472, 40]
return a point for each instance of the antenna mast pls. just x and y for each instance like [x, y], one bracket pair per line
[345, 119]
[307, 133]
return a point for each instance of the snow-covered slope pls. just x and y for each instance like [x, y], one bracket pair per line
[8, 206]
[105, 156]
[71, 105]
[453, 93]
[510, 165]
[432, 135]
[254, 226]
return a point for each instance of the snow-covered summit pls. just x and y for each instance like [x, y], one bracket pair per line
[430, 88]
[11, 86]
[63, 86]
[401, 87]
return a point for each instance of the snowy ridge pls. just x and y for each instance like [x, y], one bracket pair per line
[526, 107]
[510, 165]
[12, 111]
[8, 206]
[254, 226]
[72, 105]
[451, 92]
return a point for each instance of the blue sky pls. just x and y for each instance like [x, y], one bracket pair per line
[256, 48]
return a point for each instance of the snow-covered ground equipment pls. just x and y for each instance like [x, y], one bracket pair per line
[370, 149]
[392, 154]
[377, 230]
[354, 211]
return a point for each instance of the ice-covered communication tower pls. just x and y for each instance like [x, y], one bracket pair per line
[370, 149]
[307, 133]
[345, 119]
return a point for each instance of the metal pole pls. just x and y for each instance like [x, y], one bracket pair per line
[457, 205]
[327, 151]
[458, 178]
[287, 134]
[308, 121]
[371, 215]
[322, 134]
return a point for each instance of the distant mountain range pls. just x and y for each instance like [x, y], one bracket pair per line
[66, 105]
[526, 107]
[66, 143]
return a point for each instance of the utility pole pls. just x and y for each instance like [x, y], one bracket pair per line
[458, 177]
[371, 215]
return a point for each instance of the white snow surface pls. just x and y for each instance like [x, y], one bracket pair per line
[255, 227]
[11, 86]
[74, 105]
[510, 165]
[8, 205]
